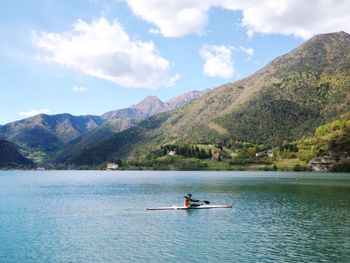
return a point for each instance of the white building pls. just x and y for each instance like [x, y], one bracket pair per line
[270, 153]
[112, 166]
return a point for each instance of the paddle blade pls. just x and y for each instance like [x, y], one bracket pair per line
[206, 202]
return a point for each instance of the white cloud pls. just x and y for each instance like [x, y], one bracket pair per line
[104, 50]
[289, 17]
[248, 50]
[217, 61]
[172, 18]
[173, 80]
[79, 89]
[34, 112]
[154, 31]
[297, 17]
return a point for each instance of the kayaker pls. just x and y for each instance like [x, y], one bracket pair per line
[188, 202]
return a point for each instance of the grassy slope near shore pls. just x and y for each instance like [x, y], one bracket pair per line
[330, 139]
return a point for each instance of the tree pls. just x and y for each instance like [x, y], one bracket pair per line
[197, 152]
[251, 150]
[202, 154]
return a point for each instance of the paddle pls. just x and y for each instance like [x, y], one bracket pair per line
[204, 201]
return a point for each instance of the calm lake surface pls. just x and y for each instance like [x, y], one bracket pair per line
[92, 216]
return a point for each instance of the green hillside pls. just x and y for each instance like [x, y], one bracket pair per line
[41, 136]
[54, 138]
[10, 157]
[330, 139]
[90, 139]
[330, 142]
[285, 100]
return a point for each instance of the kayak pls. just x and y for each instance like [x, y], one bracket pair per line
[192, 207]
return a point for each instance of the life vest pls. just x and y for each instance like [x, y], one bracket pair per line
[187, 202]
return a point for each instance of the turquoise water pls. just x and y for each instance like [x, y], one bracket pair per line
[89, 216]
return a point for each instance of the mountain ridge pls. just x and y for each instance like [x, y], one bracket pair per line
[41, 136]
[286, 99]
[148, 107]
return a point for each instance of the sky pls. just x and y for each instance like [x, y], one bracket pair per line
[92, 56]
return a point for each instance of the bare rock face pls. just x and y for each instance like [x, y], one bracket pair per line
[151, 105]
[321, 164]
[185, 99]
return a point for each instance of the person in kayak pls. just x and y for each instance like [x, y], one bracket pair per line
[188, 202]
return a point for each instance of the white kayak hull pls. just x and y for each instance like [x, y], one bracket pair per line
[192, 207]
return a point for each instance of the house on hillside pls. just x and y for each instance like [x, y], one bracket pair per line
[171, 153]
[270, 153]
[112, 167]
[216, 156]
[260, 154]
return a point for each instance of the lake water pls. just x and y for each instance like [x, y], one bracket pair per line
[92, 216]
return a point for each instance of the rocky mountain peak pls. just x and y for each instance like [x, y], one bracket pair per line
[322, 54]
[151, 105]
[185, 98]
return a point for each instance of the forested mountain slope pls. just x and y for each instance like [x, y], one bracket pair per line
[46, 137]
[10, 157]
[285, 100]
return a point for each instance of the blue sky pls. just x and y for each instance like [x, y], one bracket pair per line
[93, 56]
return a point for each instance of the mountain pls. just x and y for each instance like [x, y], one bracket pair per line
[184, 99]
[120, 120]
[44, 137]
[152, 105]
[10, 157]
[43, 134]
[90, 139]
[64, 127]
[285, 100]
[130, 113]
[294, 94]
